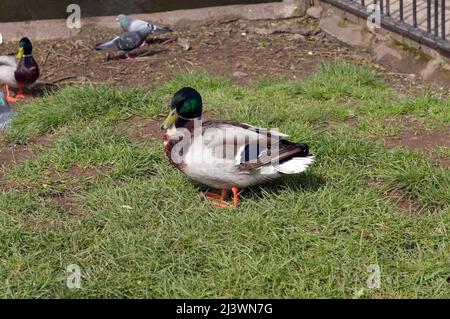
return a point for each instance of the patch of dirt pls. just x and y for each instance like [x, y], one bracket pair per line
[141, 129]
[291, 47]
[218, 47]
[9, 186]
[401, 200]
[68, 204]
[327, 125]
[423, 139]
[12, 154]
[406, 205]
[414, 136]
[244, 50]
[66, 200]
[35, 223]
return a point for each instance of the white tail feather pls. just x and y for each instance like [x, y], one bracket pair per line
[295, 165]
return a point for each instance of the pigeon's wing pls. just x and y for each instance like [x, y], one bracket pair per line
[137, 25]
[112, 45]
[130, 41]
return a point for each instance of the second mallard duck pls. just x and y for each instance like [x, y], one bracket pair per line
[226, 154]
[19, 71]
[6, 113]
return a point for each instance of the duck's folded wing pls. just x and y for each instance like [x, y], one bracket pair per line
[248, 146]
[254, 156]
[225, 139]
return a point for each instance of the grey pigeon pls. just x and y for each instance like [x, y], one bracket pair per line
[6, 113]
[129, 25]
[126, 42]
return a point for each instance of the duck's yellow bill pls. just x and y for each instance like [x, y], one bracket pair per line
[20, 53]
[170, 120]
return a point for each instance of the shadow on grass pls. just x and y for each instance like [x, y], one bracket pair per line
[40, 89]
[307, 182]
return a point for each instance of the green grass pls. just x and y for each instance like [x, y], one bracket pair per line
[142, 228]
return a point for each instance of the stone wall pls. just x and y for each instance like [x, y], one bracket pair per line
[388, 48]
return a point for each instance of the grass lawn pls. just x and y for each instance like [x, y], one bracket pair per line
[137, 227]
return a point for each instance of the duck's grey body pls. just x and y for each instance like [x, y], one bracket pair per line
[226, 154]
[8, 66]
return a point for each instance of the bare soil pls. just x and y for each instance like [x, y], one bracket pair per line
[414, 136]
[11, 154]
[243, 50]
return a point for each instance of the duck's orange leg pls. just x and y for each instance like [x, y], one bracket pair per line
[235, 196]
[9, 98]
[20, 94]
[214, 196]
[219, 200]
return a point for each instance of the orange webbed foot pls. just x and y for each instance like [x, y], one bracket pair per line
[220, 199]
[20, 96]
[10, 99]
[236, 198]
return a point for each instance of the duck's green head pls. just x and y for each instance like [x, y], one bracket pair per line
[186, 104]
[25, 48]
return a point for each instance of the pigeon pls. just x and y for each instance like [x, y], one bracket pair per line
[126, 42]
[130, 25]
[6, 113]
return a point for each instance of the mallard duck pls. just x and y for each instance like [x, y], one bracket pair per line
[19, 71]
[129, 25]
[225, 154]
[6, 113]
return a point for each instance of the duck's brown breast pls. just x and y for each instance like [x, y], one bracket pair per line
[169, 144]
[27, 71]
